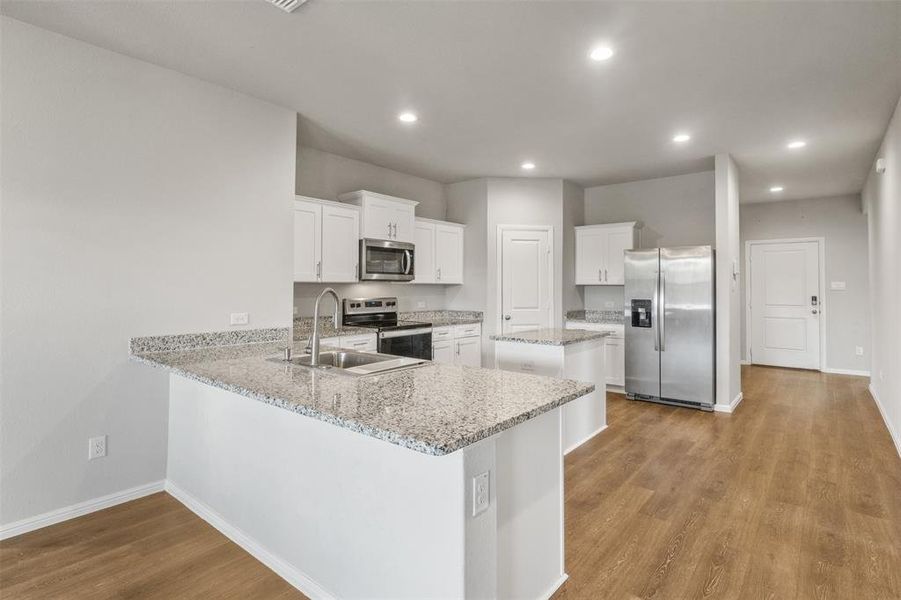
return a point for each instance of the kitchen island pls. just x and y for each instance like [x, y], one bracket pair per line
[572, 353]
[436, 481]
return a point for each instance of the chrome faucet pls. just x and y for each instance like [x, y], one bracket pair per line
[313, 344]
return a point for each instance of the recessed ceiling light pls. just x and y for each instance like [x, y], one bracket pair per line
[528, 165]
[408, 117]
[601, 53]
[776, 189]
[681, 138]
[796, 144]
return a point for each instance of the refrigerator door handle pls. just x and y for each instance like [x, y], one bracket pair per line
[655, 311]
[661, 320]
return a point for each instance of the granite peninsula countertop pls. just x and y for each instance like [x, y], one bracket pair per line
[444, 318]
[551, 336]
[435, 409]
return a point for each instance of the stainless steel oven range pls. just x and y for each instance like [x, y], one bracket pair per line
[400, 338]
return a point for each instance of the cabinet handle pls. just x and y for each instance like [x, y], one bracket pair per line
[439, 273]
[458, 348]
[319, 270]
[600, 277]
[389, 231]
[605, 275]
[395, 231]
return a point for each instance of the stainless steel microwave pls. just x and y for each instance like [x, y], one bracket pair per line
[386, 260]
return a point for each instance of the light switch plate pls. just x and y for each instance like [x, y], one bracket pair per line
[837, 285]
[480, 493]
[238, 319]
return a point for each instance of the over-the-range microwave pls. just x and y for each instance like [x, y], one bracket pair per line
[386, 260]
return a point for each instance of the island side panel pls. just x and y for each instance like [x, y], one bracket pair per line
[338, 514]
[530, 532]
[585, 417]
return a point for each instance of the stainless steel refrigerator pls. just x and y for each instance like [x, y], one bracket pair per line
[670, 335]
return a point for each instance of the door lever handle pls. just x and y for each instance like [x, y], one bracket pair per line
[507, 317]
[814, 311]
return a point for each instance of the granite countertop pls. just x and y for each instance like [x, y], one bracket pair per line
[435, 409]
[606, 317]
[551, 336]
[303, 328]
[444, 318]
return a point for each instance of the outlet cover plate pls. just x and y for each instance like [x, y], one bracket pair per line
[480, 493]
[97, 447]
[239, 319]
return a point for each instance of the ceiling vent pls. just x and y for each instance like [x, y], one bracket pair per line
[287, 5]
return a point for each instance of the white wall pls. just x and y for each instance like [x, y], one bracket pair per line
[729, 309]
[675, 211]
[882, 202]
[134, 202]
[573, 215]
[844, 226]
[324, 175]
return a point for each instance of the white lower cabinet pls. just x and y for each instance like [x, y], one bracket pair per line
[614, 352]
[361, 343]
[458, 345]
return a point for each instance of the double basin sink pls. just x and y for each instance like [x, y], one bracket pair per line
[355, 364]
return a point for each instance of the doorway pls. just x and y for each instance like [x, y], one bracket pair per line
[784, 315]
[525, 277]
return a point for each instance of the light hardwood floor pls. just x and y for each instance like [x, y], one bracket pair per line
[796, 495]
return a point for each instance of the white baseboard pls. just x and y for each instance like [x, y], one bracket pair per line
[283, 569]
[888, 424]
[585, 439]
[723, 408]
[553, 589]
[745, 362]
[847, 372]
[59, 515]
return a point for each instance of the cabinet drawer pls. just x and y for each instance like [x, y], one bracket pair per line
[362, 343]
[461, 331]
[442, 333]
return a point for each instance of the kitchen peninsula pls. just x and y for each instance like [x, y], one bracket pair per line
[464, 500]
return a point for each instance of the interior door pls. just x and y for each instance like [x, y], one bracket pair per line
[526, 284]
[786, 304]
[686, 323]
[340, 244]
[307, 240]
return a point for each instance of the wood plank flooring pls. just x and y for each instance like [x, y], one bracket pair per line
[796, 495]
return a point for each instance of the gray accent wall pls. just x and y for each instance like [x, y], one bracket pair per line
[844, 226]
[882, 203]
[136, 201]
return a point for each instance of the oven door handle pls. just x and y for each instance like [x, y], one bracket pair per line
[404, 333]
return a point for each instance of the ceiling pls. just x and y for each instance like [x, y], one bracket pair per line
[498, 83]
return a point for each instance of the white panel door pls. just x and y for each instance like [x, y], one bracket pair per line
[786, 304]
[469, 352]
[617, 241]
[307, 240]
[340, 244]
[424, 266]
[591, 250]
[449, 253]
[526, 279]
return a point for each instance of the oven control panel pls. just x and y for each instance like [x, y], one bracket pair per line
[362, 306]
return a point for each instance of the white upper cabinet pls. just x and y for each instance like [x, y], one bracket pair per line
[384, 217]
[424, 253]
[599, 252]
[439, 252]
[326, 241]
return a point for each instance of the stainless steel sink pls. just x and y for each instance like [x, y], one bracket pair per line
[357, 364]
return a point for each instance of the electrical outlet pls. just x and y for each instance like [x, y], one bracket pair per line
[480, 496]
[610, 305]
[858, 350]
[97, 447]
[238, 319]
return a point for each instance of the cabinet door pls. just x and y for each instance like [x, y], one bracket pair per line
[615, 357]
[340, 244]
[469, 351]
[616, 243]
[449, 254]
[360, 343]
[424, 261]
[307, 240]
[443, 352]
[378, 219]
[404, 222]
[591, 249]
